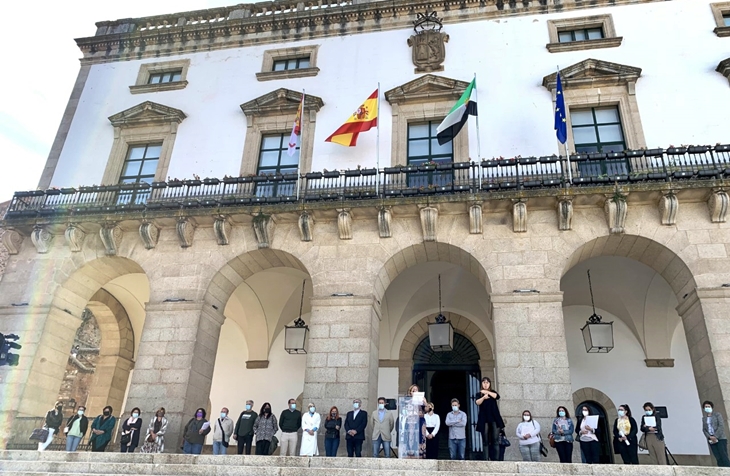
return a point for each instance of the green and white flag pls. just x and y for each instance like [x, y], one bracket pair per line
[458, 115]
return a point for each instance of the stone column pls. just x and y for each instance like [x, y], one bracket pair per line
[704, 313]
[111, 377]
[532, 371]
[175, 361]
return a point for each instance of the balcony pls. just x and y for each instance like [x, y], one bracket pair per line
[497, 178]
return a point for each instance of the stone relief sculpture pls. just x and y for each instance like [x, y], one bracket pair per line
[428, 45]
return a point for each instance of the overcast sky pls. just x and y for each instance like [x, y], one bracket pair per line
[40, 64]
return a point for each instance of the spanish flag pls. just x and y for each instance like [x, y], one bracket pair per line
[363, 119]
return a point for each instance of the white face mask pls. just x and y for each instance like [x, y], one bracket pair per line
[223, 415]
[708, 409]
[526, 417]
[454, 408]
[585, 413]
[356, 405]
[621, 413]
[311, 410]
[381, 406]
[135, 415]
[649, 413]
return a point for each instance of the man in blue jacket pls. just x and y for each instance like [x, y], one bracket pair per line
[355, 424]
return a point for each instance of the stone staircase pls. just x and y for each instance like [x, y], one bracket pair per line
[56, 463]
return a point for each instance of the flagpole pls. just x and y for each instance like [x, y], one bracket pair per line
[377, 148]
[564, 146]
[479, 138]
[299, 160]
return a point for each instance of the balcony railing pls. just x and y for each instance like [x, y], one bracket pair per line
[520, 173]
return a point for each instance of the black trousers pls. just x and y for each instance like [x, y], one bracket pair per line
[354, 448]
[432, 445]
[490, 441]
[262, 447]
[244, 442]
[591, 451]
[565, 451]
[629, 453]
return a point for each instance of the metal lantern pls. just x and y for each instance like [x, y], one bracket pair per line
[441, 332]
[295, 337]
[597, 335]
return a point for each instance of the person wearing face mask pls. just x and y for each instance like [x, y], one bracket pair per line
[433, 423]
[265, 427]
[624, 436]
[355, 423]
[54, 420]
[489, 420]
[382, 422]
[589, 445]
[310, 424]
[528, 433]
[195, 432]
[713, 427]
[562, 431]
[222, 431]
[456, 421]
[290, 421]
[75, 430]
[101, 430]
[154, 440]
[654, 436]
[332, 425]
[130, 431]
[243, 433]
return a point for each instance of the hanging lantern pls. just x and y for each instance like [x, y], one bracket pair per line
[597, 335]
[295, 337]
[441, 332]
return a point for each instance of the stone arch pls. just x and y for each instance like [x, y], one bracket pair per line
[594, 395]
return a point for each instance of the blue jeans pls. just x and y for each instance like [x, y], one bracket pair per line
[192, 449]
[218, 448]
[457, 448]
[72, 442]
[376, 447]
[331, 445]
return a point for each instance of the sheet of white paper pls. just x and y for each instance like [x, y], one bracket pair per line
[419, 398]
[650, 421]
[592, 421]
[205, 426]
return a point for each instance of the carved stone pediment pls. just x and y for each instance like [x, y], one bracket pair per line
[427, 88]
[281, 101]
[592, 73]
[147, 113]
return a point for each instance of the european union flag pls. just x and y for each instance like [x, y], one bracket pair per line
[561, 125]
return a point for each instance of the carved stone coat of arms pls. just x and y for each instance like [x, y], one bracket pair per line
[428, 44]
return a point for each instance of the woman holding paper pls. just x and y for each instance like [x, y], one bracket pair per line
[624, 436]
[651, 425]
[194, 434]
[586, 430]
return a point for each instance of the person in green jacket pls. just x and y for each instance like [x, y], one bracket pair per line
[102, 430]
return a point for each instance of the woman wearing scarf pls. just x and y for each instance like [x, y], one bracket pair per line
[154, 440]
[130, 431]
[101, 430]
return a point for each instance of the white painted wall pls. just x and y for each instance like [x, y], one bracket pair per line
[678, 93]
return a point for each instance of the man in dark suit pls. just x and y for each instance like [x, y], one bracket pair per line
[355, 424]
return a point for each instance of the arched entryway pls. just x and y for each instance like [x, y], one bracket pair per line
[600, 404]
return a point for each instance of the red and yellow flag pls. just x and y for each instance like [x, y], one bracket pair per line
[363, 119]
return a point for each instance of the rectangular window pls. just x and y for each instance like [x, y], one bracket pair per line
[291, 64]
[598, 129]
[140, 166]
[423, 148]
[165, 77]
[580, 35]
[274, 159]
[726, 19]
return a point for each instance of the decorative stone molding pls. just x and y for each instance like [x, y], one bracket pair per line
[149, 234]
[429, 222]
[604, 22]
[724, 66]
[565, 213]
[263, 228]
[720, 9]
[668, 208]
[306, 226]
[385, 217]
[593, 73]
[41, 238]
[659, 362]
[257, 364]
[74, 237]
[111, 237]
[12, 239]
[344, 223]
[185, 231]
[222, 229]
[270, 56]
[519, 215]
[615, 209]
[718, 204]
[146, 113]
[475, 218]
[142, 85]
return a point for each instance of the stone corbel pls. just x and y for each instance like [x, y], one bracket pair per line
[186, 232]
[41, 238]
[385, 217]
[475, 218]
[13, 241]
[616, 209]
[668, 208]
[662, 363]
[306, 226]
[344, 223]
[263, 228]
[565, 213]
[222, 228]
[111, 237]
[74, 237]
[429, 222]
[519, 215]
[257, 364]
[717, 204]
[149, 234]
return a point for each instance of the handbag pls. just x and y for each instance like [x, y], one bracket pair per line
[39, 434]
[274, 445]
[125, 439]
[551, 440]
[224, 442]
[642, 442]
[504, 441]
[543, 450]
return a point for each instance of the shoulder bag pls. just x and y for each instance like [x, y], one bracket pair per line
[39, 434]
[223, 441]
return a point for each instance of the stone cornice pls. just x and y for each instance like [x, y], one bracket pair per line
[427, 88]
[724, 68]
[593, 73]
[147, 112]
[278, 22]
[281, 101]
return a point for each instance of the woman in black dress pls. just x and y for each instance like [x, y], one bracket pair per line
[131, 428]
[490, 420]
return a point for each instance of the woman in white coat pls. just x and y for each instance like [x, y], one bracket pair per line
[310, 425]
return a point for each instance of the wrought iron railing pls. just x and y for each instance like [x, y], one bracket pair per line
[520, 173]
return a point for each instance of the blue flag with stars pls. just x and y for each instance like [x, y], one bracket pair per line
[561, 125]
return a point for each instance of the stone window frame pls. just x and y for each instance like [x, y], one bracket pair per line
[145, 123]
[267, 73]
[146, 69]
[274, 113]
[428, 98]
[718, 10]
[605, 22]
